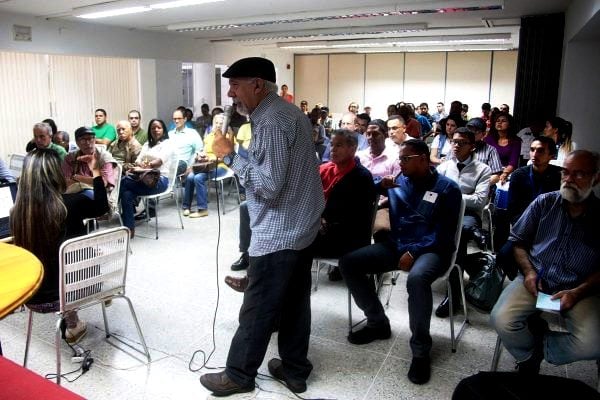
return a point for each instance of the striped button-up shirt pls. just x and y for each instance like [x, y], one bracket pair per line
[281, 176]
[563, 250]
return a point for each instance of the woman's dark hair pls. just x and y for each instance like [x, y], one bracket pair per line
[165, 136]
[39, 214]
[52, 124]
[565, 130]
[457, 118]
[512, 128]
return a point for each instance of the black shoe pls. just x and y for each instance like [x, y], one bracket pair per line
[480, 237]
[335, 275]
[276, 370]
[443, 310]
[369, 334]
[420, 370]
[242, 263]
[221, 385]
[142, 216]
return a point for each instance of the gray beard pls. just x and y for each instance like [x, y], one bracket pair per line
[574, 195]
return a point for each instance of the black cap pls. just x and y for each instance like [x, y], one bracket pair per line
[84, 130]
[252, 67]
[477, 123]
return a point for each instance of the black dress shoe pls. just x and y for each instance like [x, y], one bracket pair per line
[142, 216]
[443, 310]
[221, 385]
[420, 370]
[276, 370]
[242, 263]
[369, 334]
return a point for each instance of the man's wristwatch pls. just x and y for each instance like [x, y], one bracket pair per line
[228, 159]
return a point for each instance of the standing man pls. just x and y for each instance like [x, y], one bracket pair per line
[424, 211]
[135, 119]
[105, 132]
[42, 139]
[285, 202]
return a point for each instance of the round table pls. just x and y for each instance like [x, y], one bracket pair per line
[21, 274]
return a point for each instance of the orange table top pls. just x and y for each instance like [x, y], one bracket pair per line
[21, 274]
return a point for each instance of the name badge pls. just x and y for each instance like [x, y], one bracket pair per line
[430, 197]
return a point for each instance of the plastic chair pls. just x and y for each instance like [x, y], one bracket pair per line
[169, 191]
[93, 269]
[15, 164]
[113, 198]
[220, 182]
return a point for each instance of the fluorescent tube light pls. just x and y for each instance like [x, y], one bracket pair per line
[180, 3]
[114, 13]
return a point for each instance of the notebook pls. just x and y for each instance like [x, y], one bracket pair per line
[8, 193]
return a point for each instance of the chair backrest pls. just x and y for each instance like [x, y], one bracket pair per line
[92, 267]
[15, 164]
[461, 215]
[172, 173]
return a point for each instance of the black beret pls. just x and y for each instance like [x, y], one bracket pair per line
[252, 67]
[84, 130]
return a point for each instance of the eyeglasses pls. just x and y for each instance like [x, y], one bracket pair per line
[577, 175]
[459, 143]
[406, 159]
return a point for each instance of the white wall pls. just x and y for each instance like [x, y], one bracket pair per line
[148, 91]
[168, 88]
[579, 92]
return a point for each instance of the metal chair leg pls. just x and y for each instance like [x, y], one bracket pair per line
[28, 339]
[106, 327]
[497, 354]
[57, 338]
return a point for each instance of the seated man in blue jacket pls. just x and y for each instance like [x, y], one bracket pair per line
[424, 211]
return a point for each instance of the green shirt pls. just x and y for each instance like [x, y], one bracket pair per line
[62, 153]
[141, 136]
[106, 131]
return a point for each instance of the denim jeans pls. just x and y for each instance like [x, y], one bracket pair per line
[130, 189]
[581, 341]
[198, 182]
[278, 291]
[383, 257]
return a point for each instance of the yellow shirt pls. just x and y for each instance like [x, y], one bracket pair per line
[244, 135]
[208, 141]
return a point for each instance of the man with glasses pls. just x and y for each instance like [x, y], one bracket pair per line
[424, 210]
[557, 249]
[135, 119]
[484, 152]
[473, 178]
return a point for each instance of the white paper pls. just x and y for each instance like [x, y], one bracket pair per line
[545, 302]
[6, 201]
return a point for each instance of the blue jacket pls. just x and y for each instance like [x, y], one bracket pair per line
[424, 215]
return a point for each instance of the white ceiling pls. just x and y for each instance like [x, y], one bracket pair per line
[271, 25]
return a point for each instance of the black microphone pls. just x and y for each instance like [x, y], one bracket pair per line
[227, 110]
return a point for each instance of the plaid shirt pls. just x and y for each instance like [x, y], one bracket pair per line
[283, 187]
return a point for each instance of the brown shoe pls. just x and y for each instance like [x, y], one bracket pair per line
[237, 284]
[221, 385]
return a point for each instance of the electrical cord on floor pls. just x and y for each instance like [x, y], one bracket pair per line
[206, 358]
[83, 356]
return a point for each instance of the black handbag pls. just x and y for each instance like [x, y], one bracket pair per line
[485, 286]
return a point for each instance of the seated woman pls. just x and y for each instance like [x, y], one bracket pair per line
[503, 137]
[197, 180]
[44, 216]
[560, 130]
[346, 222]
[441, 147]
[156, 154]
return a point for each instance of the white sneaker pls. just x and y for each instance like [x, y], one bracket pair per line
[186, 212]
[74, 335]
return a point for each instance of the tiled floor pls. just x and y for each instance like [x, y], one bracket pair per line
[174, 284]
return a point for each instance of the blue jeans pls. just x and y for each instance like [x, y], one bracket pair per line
[198, 182]
[581, 341]
[130, 189]
[384, 257]
[278, 291]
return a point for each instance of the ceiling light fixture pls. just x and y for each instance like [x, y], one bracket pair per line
[337, 15]
[102, 12]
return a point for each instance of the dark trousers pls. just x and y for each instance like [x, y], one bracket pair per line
[384, 257]
[278, 290]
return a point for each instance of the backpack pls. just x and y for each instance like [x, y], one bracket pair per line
[484, 286]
